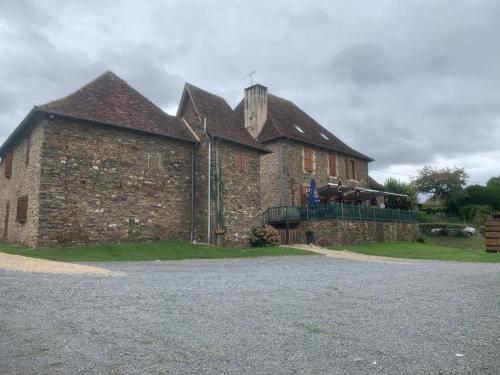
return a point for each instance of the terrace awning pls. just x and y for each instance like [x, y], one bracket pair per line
[330, 190]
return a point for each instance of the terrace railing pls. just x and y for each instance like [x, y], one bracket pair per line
[296, 214]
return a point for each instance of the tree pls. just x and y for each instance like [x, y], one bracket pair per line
[393, 185]
[446, 184]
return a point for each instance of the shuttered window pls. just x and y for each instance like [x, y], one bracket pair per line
[28, 150]
[9, 158]
[332, 163]
[240, 160]
[303, 195]
[22, 209]
[308, 160]
[350, 166]
[359, 169]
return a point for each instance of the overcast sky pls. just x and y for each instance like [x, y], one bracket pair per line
[406, 82]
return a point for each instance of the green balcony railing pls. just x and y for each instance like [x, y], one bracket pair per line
[295, 214]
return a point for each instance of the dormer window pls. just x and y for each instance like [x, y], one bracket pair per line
[299, 129]
[324, 136]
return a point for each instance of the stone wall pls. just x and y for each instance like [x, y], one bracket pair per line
[239, 188]
[101, 184]
[278, 185]
[25, 181]
[346, 232]
[240, 192]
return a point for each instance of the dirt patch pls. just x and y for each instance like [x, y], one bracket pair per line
[349, 255]
[25, 264]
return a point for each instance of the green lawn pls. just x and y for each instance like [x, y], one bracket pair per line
[160, 250]
[437, 248]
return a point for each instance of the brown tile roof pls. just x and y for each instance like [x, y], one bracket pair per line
[221, 119]
[110, 100]
[374, 184]
[282, 118]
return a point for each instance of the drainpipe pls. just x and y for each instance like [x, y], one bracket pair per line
[208, 177]
[193, 186]
[281, 172]
[217, 169]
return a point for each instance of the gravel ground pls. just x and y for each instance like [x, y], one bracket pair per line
[287, 315]
[25, 264]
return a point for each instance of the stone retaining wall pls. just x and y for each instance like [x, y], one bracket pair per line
[348, 232]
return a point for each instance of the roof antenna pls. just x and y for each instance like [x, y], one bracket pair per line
[250, 76]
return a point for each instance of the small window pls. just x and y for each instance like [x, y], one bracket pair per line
[350, 166]
[240, 160]
[332, 164]
[22, 209]
[28, 150]
[299, 129]
[9, 158]
[324, 136]
[308, 160]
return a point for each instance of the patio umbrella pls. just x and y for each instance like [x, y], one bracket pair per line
[313, 195]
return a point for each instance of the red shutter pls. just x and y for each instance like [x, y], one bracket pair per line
[308, 161]
[8, 164]
[347, 169]
[332, 160]
[22, 209]
[303, 195]
[240, 160]
[359, 170]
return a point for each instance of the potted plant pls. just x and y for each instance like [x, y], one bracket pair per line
[309, 236]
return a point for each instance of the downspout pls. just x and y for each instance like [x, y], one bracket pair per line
[193, 187]
[208, 178]
[217, 169]
[281, 172]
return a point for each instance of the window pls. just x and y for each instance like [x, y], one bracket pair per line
[350, 166]
[22, 209]
[240, 160]
[332, 164]
[304, 193]
[308, 160]
[359, 169]
[299, 129]
[28, 150]
[9, 158]
[324, 136]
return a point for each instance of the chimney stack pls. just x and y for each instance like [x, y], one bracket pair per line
[255, 109]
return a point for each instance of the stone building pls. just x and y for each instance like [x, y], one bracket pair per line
[302, 150]
[104, 164]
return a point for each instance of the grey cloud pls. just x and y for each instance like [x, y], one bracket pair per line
[404, 82]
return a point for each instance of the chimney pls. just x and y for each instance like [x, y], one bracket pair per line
[255, 109]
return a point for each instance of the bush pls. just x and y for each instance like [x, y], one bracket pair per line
[421, 238]
[265, 236]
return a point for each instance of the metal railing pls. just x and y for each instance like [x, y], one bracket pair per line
[295, 214]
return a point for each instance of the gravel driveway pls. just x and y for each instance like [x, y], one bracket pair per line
[288, 315]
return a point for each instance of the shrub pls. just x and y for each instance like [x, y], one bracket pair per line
[265, 236]
[421, 238]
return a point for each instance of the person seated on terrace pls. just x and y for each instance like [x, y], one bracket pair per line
[373, 200]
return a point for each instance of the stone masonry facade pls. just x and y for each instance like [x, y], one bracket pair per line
[24, 182]
[347, 232]
[100, 184]
[283, 174]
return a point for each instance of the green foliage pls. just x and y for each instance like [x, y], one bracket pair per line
[393, 185]
[438, 248]
[420, 238]
[484, 195]
[265, 236]
[446, 184]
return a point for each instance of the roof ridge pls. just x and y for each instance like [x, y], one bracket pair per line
[208, 92]
[107, 72]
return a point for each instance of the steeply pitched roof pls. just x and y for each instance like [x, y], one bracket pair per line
[110, 100]
[283, 118]
[221, 120]
[374, 184]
